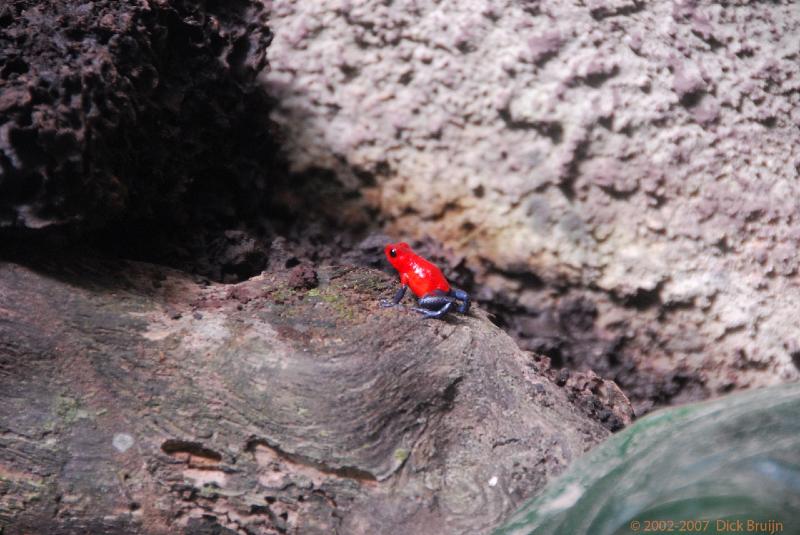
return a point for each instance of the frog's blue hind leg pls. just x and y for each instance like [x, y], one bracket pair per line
[434, 305]
[461, 295]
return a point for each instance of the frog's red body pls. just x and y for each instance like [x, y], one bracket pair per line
[436, 297]
[421, 276]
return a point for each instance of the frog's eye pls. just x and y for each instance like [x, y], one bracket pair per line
[393, 253]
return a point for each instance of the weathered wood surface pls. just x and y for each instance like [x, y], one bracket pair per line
[137, 399]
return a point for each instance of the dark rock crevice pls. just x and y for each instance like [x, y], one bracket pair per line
[132, 125]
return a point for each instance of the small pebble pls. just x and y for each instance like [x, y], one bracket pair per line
[122, 442]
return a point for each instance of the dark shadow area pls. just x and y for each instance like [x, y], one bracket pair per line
[141, 132]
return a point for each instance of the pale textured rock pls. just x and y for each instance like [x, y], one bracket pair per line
[641, 153]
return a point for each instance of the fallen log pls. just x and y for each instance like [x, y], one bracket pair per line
[135, 398]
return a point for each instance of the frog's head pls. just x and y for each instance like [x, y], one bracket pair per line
[398, 254]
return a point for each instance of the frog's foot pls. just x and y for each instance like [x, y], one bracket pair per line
[462, 296]
[396, 299]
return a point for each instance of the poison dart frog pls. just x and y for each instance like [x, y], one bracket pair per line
[435, 295]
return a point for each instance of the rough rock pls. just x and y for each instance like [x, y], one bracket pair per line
[134, 398]
[639, 156]
[135, 110]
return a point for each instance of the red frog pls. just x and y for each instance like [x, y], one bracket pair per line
[435, 295]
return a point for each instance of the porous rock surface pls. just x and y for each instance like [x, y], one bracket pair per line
[622, 174]
[135, 109]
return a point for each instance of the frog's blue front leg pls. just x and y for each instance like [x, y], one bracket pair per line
[397, 297]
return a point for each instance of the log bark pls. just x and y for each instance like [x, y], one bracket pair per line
[135, 398]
